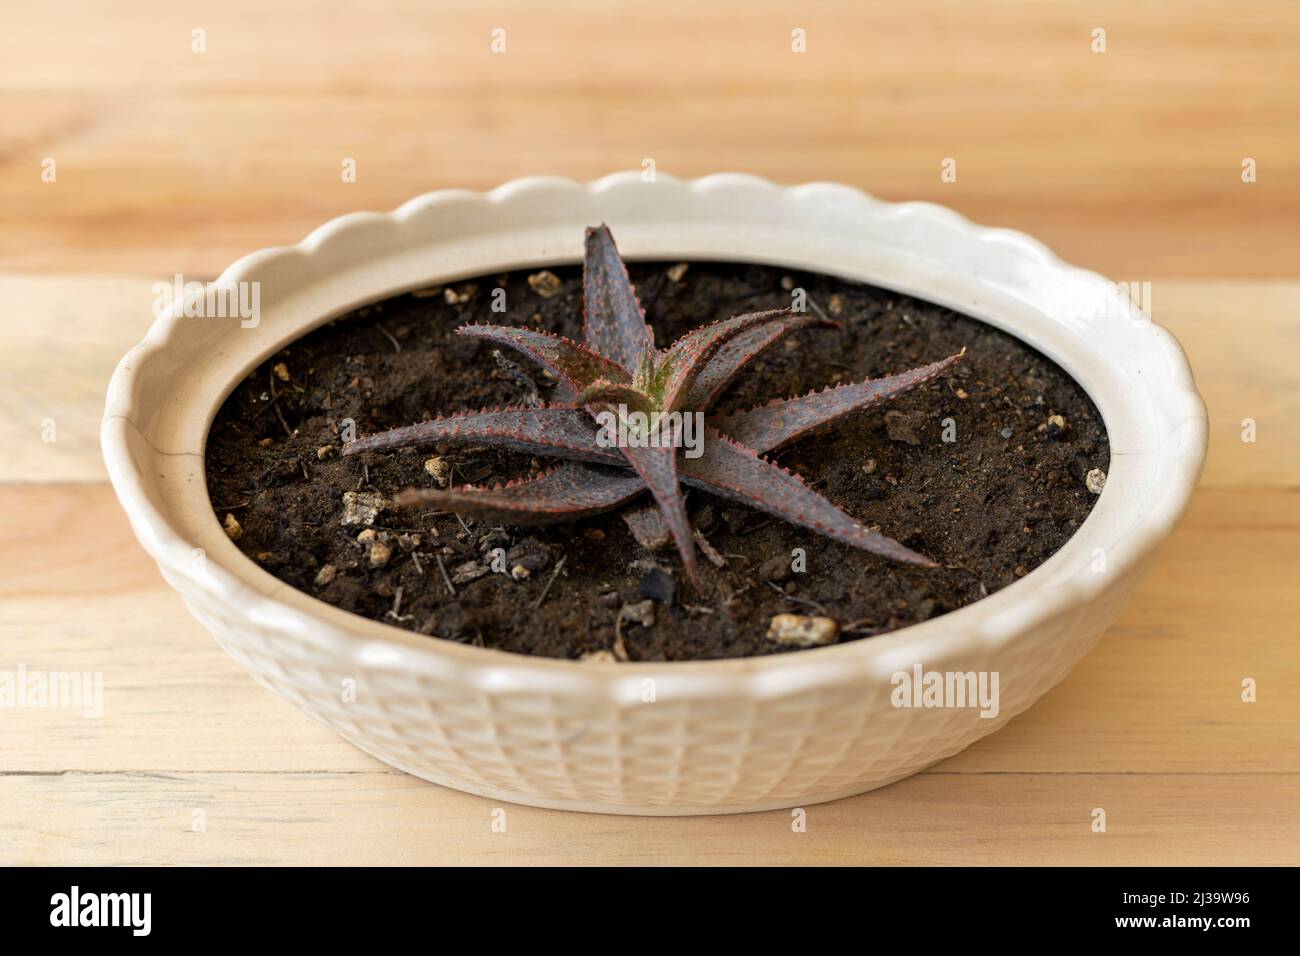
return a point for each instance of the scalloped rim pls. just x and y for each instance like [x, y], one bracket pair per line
[987, 625]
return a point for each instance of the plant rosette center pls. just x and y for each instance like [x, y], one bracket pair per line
[622, 404]
[621, 427]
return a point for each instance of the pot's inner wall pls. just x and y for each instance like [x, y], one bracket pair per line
[984, 470]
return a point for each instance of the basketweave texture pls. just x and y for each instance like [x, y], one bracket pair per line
[653, 756]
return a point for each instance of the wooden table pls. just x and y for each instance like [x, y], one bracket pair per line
[168, 160]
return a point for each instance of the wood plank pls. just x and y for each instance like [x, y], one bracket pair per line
[1242, 339]
[1127, 161]
[392, 819]
[1160, 694]
[60, 340]
[64, 335]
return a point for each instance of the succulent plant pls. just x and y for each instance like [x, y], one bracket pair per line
[618, 371]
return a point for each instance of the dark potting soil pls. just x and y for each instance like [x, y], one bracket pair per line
[990, 504]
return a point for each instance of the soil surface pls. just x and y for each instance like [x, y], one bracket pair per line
[989, 506]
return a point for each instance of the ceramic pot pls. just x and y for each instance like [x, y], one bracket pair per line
[669, 738]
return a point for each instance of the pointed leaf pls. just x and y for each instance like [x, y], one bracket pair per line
[565, 493]
[686, 358]
[576, 366]
[658, 469]
[557, 430]
[718, 371]
[729, 469]
[772, 425]
[613, 321]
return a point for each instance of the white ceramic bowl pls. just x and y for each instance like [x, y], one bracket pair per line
[717, 736]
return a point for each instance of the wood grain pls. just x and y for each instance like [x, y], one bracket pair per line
[392, 819]
[1127, 161]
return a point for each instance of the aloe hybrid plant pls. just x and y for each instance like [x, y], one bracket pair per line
[618, 371]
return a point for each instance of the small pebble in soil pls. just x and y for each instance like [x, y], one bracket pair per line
[1095, 480]
[231, 525]
[595, 534]
[380, 553]
[835, 306]
[598, 657]
[520, 573]
[657, 585]
[545, 283]
[678, 272]
[361, 507]
[869, 467]
[459, 296]
[1055, 426]
[324, 451]
[1005, 433]
[642, 613]
[796, 630]
[438, 469]
[281, 371]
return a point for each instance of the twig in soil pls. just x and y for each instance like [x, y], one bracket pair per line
[758, 527]
[388, 335]
[283, 421]
[415, 559]
[262, 411]
[443, 569]
[396, 611]
[857, 627]
[797, 600]
[817, 308]
[710, 552]
[275, 398]
[620, 647]
[698, 609]
[554, 574]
